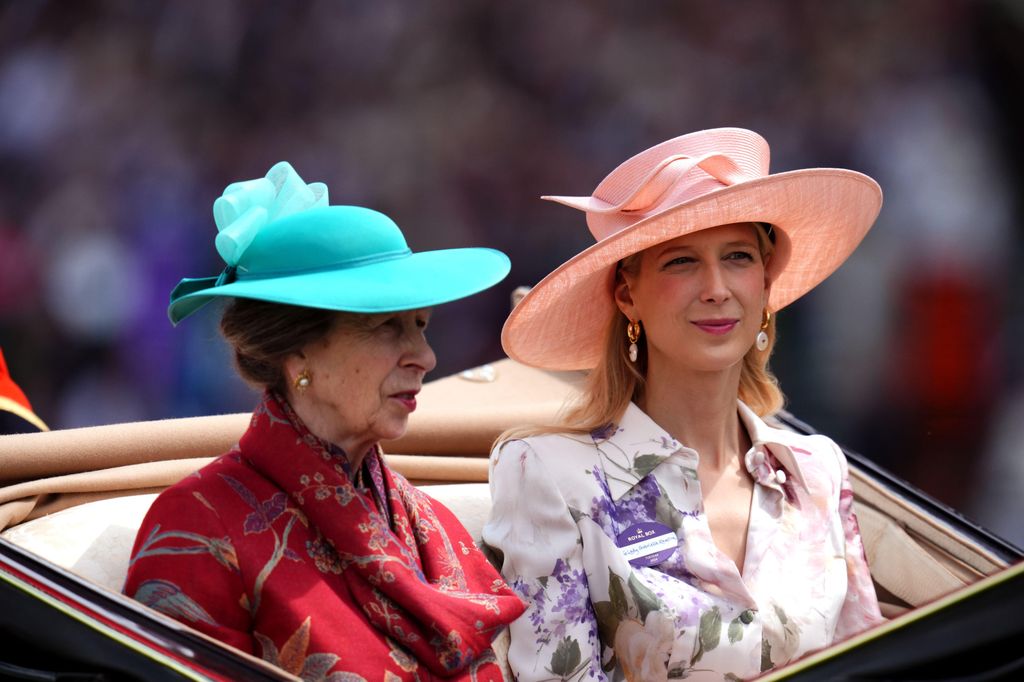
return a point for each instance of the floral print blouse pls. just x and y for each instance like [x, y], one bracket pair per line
[605, 537]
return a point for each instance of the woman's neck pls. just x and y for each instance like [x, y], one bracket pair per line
[322, 423]
[699, 410]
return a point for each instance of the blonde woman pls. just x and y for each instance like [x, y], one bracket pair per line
[666, 528]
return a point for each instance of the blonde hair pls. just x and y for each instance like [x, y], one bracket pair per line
[616, 381]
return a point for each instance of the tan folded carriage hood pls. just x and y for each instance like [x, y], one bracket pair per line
[448, 441]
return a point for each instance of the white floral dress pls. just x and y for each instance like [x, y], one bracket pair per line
[567, 514]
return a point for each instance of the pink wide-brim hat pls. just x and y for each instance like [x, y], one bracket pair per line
[689, 183]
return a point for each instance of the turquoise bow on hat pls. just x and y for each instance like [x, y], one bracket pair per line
[283, 243]
[247, 206]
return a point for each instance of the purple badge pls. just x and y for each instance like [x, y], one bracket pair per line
[647, 543]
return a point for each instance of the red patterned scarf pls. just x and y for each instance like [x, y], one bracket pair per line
[420, 579]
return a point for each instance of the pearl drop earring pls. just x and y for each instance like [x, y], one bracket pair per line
[762, 336]
[633, 334]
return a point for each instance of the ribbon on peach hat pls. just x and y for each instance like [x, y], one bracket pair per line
[656, 187]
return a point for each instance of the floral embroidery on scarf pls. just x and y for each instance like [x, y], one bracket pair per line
[166, 597]
[261, 520]
[323, 555]
[292, 658]
[342, 494]
[379, 536]
[401, 657]
[219, 548]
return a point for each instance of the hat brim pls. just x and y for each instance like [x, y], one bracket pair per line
[820, 216]
[419, 280]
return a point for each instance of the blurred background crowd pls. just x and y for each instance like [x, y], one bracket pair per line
[122, 121]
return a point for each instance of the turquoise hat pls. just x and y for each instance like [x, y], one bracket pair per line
[283, 243]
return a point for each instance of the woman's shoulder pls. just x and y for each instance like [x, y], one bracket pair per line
[812, 442]
[228, 480]
[547, 445]
[771, 429]
[562, 458]
[815, 456]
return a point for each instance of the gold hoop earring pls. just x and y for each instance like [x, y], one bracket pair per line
[303, 380]
[762, 336]
[633, 334]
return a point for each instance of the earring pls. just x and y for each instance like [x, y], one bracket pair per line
[303, 380]
[762, 336]
[633, 334]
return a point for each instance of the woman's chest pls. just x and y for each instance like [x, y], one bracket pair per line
[726, 506]
[785, 602]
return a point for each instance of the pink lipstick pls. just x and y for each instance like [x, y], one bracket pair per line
[717, 327]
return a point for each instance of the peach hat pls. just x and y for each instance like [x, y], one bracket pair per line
[689, 183]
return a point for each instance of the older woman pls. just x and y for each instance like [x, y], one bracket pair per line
[300, 545]
[671, 530]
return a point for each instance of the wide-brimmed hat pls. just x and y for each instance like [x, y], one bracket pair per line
[689, 183]
[283, 243]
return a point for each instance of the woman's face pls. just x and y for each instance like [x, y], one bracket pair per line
[699, 297]
[365, 373]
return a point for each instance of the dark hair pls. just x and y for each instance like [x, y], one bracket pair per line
[263, 334]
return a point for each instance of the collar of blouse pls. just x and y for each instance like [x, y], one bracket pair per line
[772, 460]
